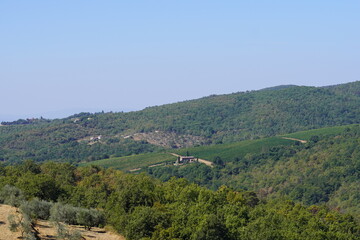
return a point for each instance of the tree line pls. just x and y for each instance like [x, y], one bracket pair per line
[141, 207]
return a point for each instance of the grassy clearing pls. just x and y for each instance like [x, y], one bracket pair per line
[306, 135]
[134, 161]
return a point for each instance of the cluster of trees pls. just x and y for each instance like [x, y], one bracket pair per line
[324, 170]
[27, 121]
[58, 213]
[140, 207]
[222, 118]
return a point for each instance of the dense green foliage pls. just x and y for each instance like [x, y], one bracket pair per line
[324, 170]
[217, 118]
[140, 207]
[257, 113]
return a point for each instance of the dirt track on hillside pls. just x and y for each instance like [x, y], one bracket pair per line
[295, 139]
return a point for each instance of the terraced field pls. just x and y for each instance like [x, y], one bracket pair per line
[134, 162]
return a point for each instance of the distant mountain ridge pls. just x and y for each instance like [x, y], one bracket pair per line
[216, 119]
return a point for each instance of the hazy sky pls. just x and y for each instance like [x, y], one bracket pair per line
[68, 56]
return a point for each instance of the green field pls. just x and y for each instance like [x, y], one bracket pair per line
[306, 135]
[133, 162]
[227, 152]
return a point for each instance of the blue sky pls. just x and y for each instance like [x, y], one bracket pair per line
[62, 57]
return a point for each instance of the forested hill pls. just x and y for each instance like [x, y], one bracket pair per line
[212, 119]
[258, 113]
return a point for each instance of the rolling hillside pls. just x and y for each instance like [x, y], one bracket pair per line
[214, 119]
[227, 151]
[324, 170]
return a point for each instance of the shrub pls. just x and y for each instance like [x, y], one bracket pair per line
[11, 195]
[23, 224]
[37, 209]
[67, 234]
[89, 218]
[63, 213]
[74, 215]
